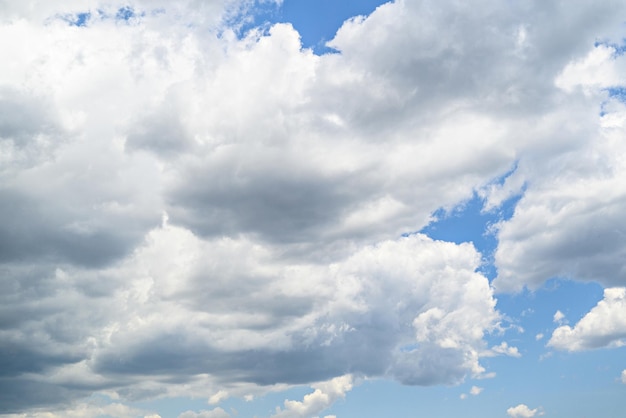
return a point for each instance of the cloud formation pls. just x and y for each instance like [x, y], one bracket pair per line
[603, 326]
[324, 395]
[523, 411]
[568, 223]
[189, 211]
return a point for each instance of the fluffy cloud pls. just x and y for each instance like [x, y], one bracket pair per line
[603, 326]
[325, 394]
[186, 211]
[503, 349]
[624, 377]
[568, 222]
[411, 309]
[335, 318]
[523, 411]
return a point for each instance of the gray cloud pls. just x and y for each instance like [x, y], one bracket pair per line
[257, 242]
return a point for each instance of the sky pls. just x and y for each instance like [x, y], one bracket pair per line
[312, 208]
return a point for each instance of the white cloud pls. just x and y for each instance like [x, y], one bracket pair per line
[344, 306]
[559, 317]
[523, 411]
[624, 377]
[594, 72]
[475, 390]
[503, 349]
[288, 179]
[218, 397]
[325, 394]
[568, 222]
[539, 336]
[603, 326]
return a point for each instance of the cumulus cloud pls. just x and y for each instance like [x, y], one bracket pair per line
[503, 349]
[624, 377]
[188, 211]
[603, 326]
[334, 319]
[568, 222]
[325, 394]
[523, 411]
[175, 318]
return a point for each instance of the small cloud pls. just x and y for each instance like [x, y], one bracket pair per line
[503, 349]
[475, 390]
[624, 377]
[523, 411]
[559, 317]
[538, 336]
[218, 397]
[587, 334]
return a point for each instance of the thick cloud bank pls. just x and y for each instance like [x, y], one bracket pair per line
[187, 211]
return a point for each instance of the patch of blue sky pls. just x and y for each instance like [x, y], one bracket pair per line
[467, 223]
[559, 383]
[528, 325]
[620, 48]
[262, 14]
[554, 379]
[470, 222]
[82, 19]
[78, 19]
[317, 21]
[125, 13]
[617, 92]
[399, 400]
[171, 407]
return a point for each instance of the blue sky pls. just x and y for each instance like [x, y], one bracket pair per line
[312, 208]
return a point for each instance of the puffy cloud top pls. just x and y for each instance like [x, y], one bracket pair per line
[187, 210]
[603, 326]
